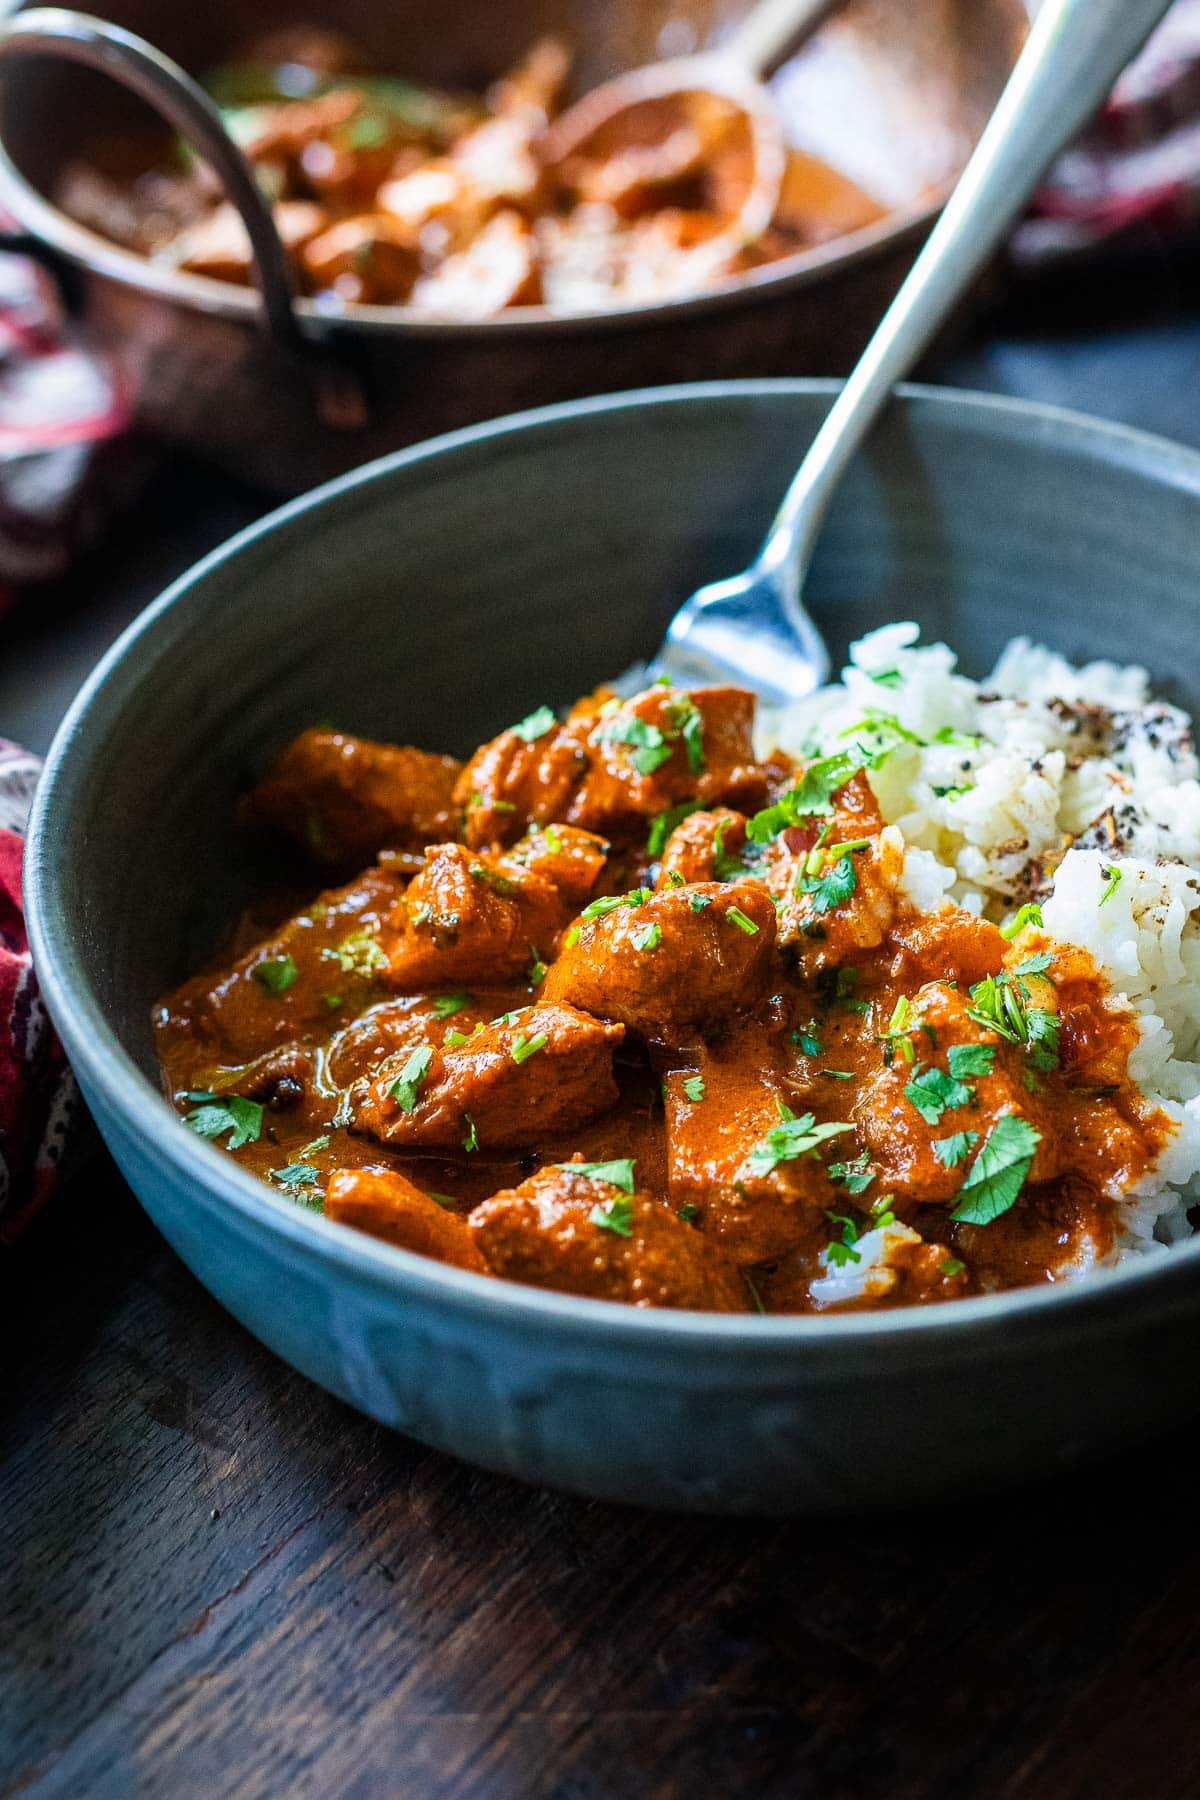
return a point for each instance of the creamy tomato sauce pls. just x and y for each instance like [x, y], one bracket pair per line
[385, 193]
[621, 1009]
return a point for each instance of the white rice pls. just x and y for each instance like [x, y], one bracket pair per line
[989, 780]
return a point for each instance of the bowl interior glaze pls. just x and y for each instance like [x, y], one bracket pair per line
[432, 598]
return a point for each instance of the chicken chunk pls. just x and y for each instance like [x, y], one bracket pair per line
[219, 244]
[572, 860]
[542, 1068]
[385, 1205]
[371, 259]
[345, 798]
[701, 847]
[666, 746]
[567, 1230]
[403, 1024]
[669, 965]
[286, 989]
[472, 916]
[755, 1186]
[947, 944]
[498, 269]
[612, 766]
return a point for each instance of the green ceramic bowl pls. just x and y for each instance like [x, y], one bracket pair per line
[436, 595]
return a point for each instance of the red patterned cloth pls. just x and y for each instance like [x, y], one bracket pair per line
[1138, 165]
[38, 1097]
[61, 409]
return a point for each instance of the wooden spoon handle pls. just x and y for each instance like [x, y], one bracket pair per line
[771, 31]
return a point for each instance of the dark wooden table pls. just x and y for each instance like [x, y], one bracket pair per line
[217, 1580]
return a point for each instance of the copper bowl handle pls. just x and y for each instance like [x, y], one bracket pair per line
[55, 31]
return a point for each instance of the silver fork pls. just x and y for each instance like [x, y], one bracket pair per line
[752, 629]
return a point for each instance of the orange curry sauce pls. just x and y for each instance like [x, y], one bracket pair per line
[623, 940]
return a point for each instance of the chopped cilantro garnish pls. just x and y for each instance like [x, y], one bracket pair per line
[447, 1201]
[951, 1150]
[737, 917]
[1113, 877]
[297, 1174]
[998, 1172]
[618, 1174]
[500, 884]
[572, 937]
[275, 974]
[231, 1113]
[552, 840]
[445, 1005]
[318, 1143]
[998, 1001]
[648, 747]
[933, 1092]
[359, 953]
[791, 1138]
[648, 938]
[828, 891]
[812, 794]
[616, 1216]
[698, 902]
[904, 1020]
[951, 1266]
[810, 1045]
[954, 791]
[687, 1213]
[535, 724]
[607, 903]
[1041, 1031]
[470, 1136]
[838, 1074]
[888, 678]
[753, 1293]
[675, 879]
[970, 1059]
[458, 1040]
[664, 823]
[886, 728]
[693, 1087]
[1025, 915]
[535, 974]
[1032, 965]
[856, 1177]
[332, 1001]
[688, 721]
[841, 1251]
[523, 1048]
[407, 1084]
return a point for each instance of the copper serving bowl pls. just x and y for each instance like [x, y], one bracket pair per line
[894, 95]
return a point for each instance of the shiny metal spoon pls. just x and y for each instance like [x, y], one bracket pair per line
[735, 70]
[752, 629]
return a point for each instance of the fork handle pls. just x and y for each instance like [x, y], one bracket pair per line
[1073, 54]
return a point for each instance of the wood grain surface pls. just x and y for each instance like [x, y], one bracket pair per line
[218, 1580]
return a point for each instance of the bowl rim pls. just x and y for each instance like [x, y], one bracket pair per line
[211, 1175]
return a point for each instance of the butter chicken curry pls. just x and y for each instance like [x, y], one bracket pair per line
[621, 1009]
[385, 193]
